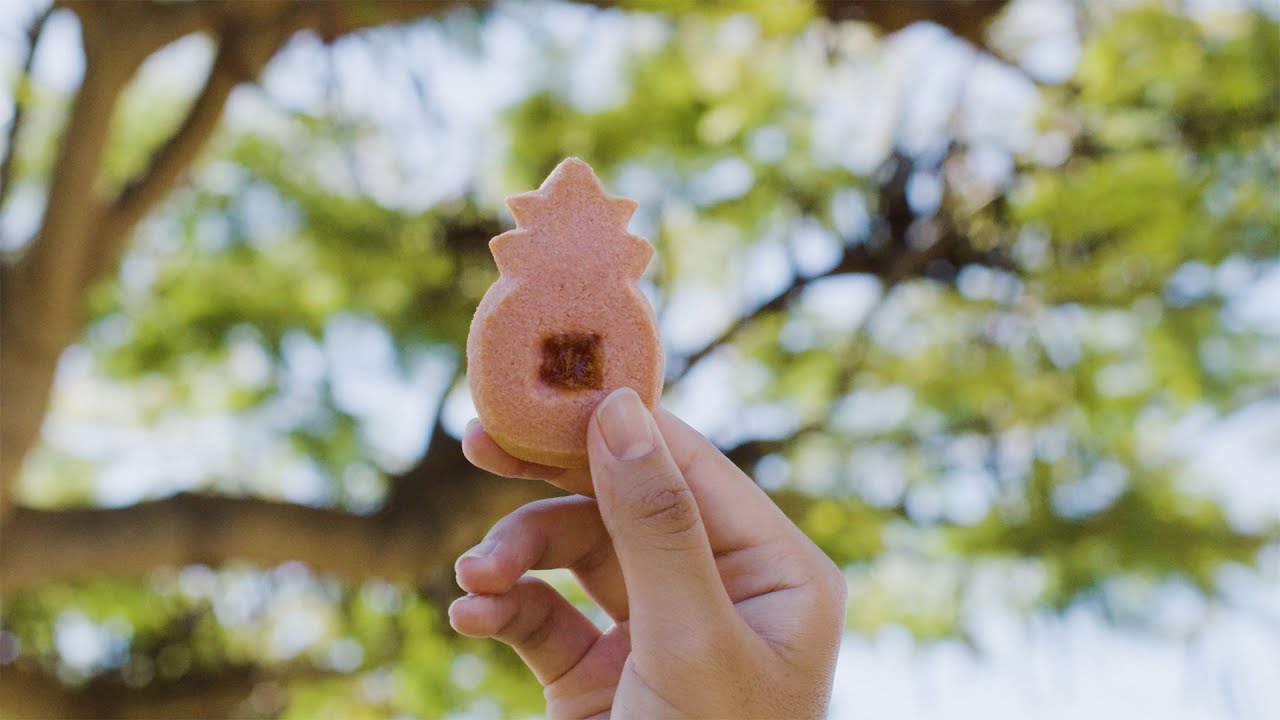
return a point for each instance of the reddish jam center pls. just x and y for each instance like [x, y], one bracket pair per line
[572, 361]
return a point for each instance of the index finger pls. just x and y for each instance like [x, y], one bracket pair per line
[486, 454]
[737, 513]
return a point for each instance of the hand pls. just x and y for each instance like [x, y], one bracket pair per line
[723, 608]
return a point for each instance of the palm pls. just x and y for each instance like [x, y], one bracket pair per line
[610, 666]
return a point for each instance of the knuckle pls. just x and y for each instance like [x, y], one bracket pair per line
[697, 461]
[667, 510]
[841, 589]
[514, 523]
[528, 514]
[594, 559]
[825, 586]
[832, 586]
[534, 637]
[530, 626]
[826, 570]
[508, 628]
[838, 604]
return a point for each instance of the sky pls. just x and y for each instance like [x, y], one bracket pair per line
[1203, 663]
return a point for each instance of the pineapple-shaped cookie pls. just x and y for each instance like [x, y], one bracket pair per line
[565, 324]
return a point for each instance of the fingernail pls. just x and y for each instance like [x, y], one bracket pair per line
[473, 422]
[626, 425]
[484, 549]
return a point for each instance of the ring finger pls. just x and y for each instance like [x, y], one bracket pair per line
[548, 632]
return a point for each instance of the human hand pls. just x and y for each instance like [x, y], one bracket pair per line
[722, 607]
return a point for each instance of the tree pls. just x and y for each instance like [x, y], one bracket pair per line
[1031, 333]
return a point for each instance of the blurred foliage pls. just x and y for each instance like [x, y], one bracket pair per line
[1007, 417]
[387, 642]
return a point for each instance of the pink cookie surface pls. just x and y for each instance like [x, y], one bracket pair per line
[565, 323]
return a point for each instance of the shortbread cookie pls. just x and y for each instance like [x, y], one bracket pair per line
[565, 324]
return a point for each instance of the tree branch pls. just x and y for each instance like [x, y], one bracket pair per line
[967, 19]
[34, 695]
[415, 540]
[856, 259]
[249, 35]
[41, 296]
[891, 258]
[234, 691]
[42, 292]
[232, 65]
[82, 238]
[42, 546]
[19, 105]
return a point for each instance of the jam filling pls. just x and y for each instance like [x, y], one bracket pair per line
[572, 361]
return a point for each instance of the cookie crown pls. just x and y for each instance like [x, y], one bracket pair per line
[574, 223]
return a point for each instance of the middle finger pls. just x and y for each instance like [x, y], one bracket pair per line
[555, 533]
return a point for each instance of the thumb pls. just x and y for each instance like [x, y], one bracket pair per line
[653, 519]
